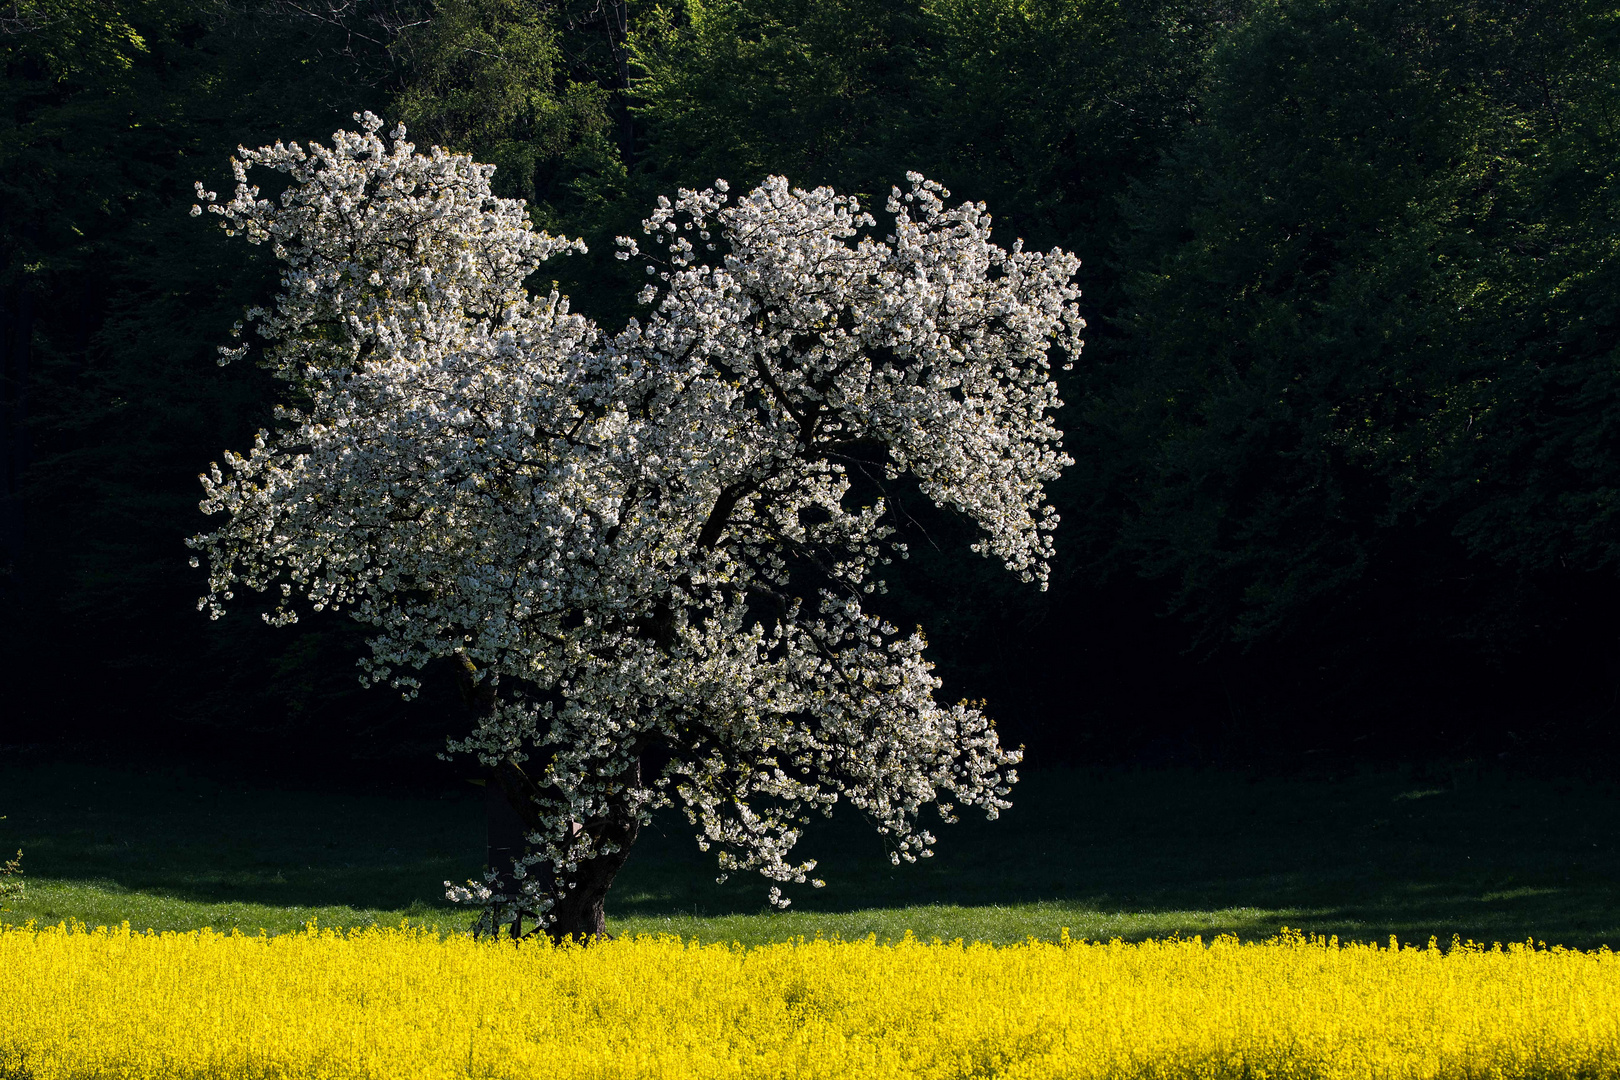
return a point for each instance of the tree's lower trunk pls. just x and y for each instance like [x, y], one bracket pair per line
[510, 816]
[581, 914]
[509, 813]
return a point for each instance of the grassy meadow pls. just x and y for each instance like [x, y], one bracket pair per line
[1483, 854]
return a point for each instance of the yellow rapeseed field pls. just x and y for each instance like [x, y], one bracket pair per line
[403, 1004]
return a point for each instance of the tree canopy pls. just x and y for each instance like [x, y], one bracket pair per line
[661, 540]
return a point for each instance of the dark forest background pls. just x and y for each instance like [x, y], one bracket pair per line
[1347, 424]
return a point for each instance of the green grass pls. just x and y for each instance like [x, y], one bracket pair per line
[1485, 855]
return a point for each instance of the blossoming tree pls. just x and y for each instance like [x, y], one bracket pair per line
[650, 553]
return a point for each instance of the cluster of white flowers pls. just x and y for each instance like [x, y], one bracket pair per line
[660, 538]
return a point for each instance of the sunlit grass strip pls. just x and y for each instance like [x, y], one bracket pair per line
[402, 1004]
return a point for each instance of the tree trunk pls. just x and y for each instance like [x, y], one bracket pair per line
[581, 913]
[509, 817]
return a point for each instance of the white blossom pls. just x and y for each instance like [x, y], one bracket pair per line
[661, 538]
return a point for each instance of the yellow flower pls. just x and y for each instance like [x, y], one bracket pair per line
[404, 1004]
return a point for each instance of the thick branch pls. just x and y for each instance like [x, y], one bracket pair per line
[709, 535]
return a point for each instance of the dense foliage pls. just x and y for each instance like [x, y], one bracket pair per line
[1345, 460]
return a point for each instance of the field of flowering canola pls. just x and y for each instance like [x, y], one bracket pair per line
[405, 1004]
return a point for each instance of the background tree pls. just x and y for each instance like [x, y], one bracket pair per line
[1336, 276]
[659, 542]
[114, 305]
[491, 74]
[1416, 528]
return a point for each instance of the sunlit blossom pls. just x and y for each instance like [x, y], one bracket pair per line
[660, 538]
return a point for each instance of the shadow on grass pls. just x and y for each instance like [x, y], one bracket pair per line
[1489, 856]
[197, 840]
